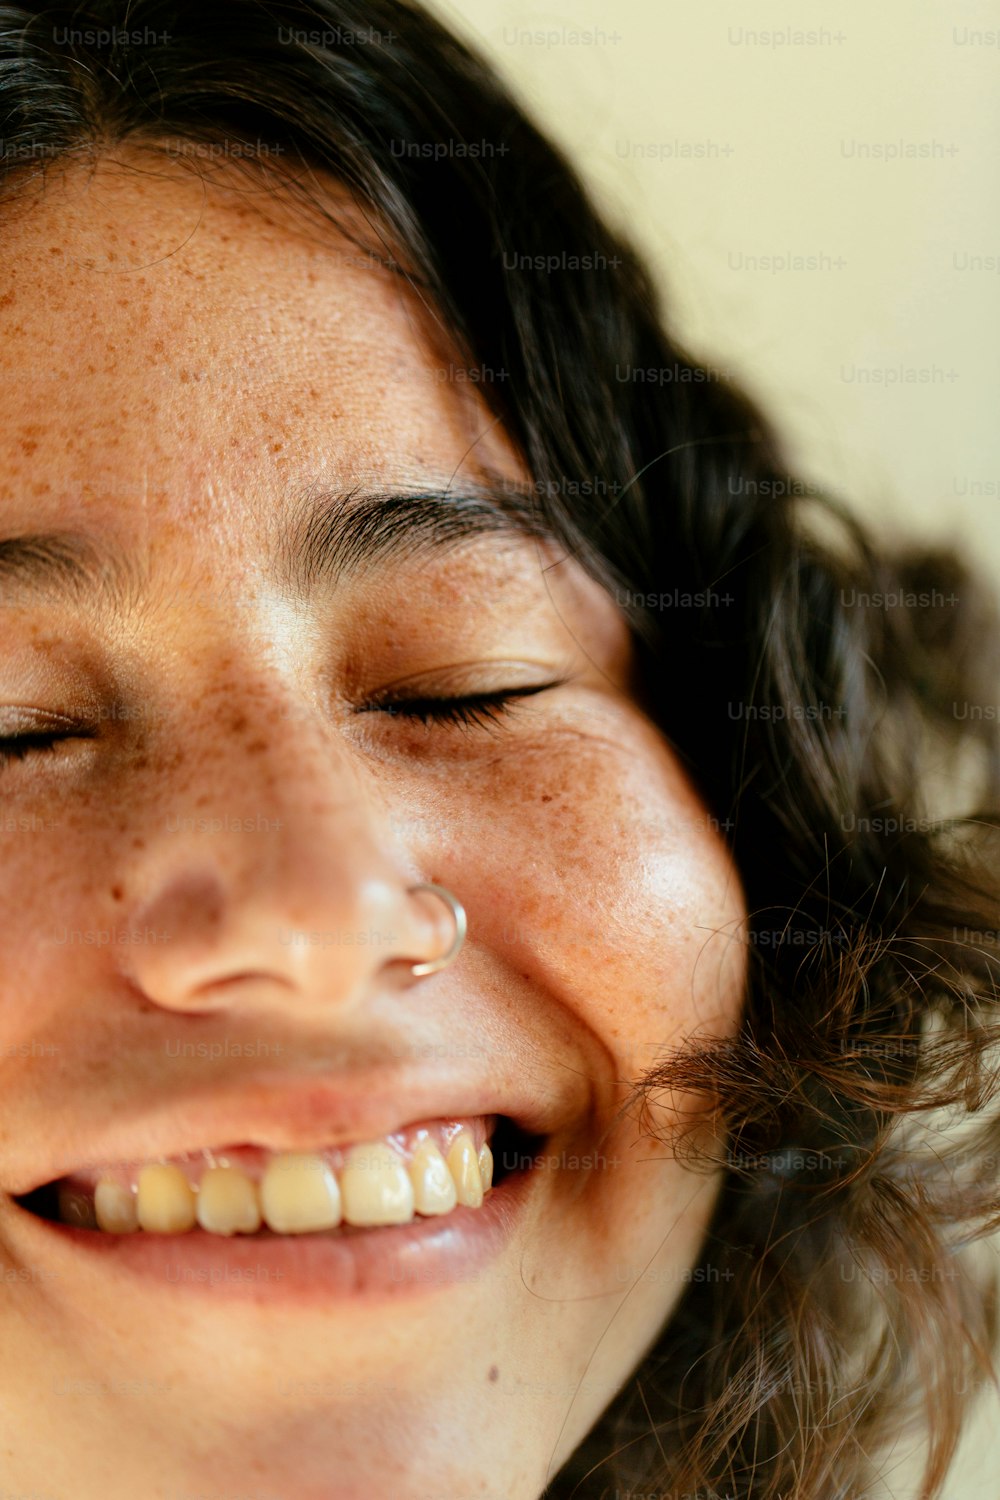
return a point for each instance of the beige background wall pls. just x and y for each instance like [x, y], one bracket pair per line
[715, 146]
[719, 144]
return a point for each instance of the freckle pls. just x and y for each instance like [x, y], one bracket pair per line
[138, 843]
[494, 1373]
[276, 447]
[547, 797]
[6, 299]
[116, 893]
[238, 724]
[256, 747]
[28, 446]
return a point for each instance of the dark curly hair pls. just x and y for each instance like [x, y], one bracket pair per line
[826, 693]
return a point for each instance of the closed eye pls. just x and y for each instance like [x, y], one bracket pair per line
[468, 711]
[482, 709]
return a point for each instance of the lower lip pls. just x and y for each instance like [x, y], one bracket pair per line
[396, 1261]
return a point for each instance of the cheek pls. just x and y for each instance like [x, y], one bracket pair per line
[591, 869]
[594, 877]
[40, 862]
[67, 924]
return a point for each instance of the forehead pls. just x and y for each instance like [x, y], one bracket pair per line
[176, 349]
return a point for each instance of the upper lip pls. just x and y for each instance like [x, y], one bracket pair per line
[284, 1112]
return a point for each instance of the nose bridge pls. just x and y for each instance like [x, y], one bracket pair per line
[271, 791]
[264, 859]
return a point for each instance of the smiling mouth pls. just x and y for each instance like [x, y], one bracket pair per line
[422, 1171]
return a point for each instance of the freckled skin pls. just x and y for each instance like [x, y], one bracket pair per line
[232, 356]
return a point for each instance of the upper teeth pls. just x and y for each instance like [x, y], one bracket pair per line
[298, 1192]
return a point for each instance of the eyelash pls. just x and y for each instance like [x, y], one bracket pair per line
[470, 711]
[20, 746]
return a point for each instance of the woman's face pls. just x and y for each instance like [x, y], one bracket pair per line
[207, 933]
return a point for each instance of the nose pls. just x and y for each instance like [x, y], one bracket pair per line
[266, 880]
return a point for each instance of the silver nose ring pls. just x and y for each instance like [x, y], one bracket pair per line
[435, 965]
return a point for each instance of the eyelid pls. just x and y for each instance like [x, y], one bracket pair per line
[474, 679]
[30, 721]
[468, 712]
[497, 696]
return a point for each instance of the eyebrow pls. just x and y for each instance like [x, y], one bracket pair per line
[325, 537]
